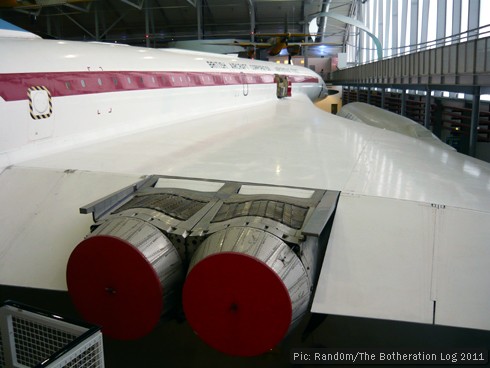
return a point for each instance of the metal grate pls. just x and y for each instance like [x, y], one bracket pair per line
[33, 338]
[35, 343]
[88, 357]
[176, 206]
[285, 213]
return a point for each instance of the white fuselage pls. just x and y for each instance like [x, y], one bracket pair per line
[97, 91]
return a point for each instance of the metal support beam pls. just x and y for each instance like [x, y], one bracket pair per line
[456, 28]
[113, 24]
[198, 5]
[353, 11]
[354, 22]
[473, 18]
[403, 111]
[383, 97]
[380, 22]
[425, 21]
[403, 15]
[414, 25]
[96, 21]
[79, 8]
[441, 22]
[361, 17]
[137, 6]
[369, 95]
[475, 117]
[79, 25]
[323, 21]
[427, 120]
[251, 14]
[147, 24]
[358, 93]
[387, 26]
[48, 24]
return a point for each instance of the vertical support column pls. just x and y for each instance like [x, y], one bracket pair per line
[360, 35]
[394, 28]
[404, 14]
[153, 39]
[456, 20]
[347, 96]
[323, 21]
[96, 21]
[427, 109]
[358, 93]
[414, 25]
[367, 42]
[441, 22]
[383, 97]
[473, 18]
[369, 95]
[374, 27]
[147, 23]
[387, 30]
[199, 19]
[381, 35]
[403, 111]
[48, 21]
[305, 54]
[425, 22]
[475, 117]
[251, 14]
[437, 123]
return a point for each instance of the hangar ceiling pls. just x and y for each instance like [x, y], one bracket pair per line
[158, 22]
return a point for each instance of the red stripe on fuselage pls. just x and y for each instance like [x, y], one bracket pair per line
[13, 87]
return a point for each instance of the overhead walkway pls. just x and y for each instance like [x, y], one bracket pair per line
[459, 67]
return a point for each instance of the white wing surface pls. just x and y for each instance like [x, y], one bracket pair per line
[409, 239]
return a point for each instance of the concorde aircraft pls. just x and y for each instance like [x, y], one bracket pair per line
[142, 180]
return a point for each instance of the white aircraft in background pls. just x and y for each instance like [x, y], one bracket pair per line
[270, 206]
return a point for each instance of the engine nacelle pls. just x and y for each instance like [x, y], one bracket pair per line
[253, 252]
[124, 276]
[244, 290]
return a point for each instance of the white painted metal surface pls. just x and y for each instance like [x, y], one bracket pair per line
[40, 223]
[389, 256]
[461, 268]
[379, 260]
